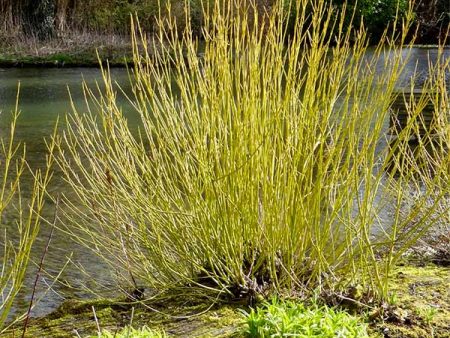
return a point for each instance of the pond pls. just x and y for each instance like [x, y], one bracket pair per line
[44, 95]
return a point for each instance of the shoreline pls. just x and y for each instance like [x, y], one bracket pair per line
[13, 63]
[117, 59]
[83, 50]
[417, 311]
[114, 57]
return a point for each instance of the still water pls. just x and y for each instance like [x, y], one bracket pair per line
[44, 95]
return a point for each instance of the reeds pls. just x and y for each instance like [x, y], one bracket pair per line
[261, 163]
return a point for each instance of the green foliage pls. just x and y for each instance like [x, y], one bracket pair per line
[377, 15]
[129, 332]
[287, 318]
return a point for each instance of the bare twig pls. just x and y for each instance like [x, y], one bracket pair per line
[96, 322]
[38, 274]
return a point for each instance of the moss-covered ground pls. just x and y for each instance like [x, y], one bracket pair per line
[177, 315]
[420, 307]
[420, 304]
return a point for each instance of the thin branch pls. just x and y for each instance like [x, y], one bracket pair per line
[41, 264]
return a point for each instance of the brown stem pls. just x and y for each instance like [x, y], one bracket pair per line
[38, 274]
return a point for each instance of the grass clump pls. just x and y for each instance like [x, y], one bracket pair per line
[143, 332]
[261, 164]
[287, 318]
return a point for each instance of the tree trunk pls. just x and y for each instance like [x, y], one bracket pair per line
[39, 18]
[10, 15]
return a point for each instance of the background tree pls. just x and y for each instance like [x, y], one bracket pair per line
[44, 19]
[38, 18]
[10, 14]
[433, 17]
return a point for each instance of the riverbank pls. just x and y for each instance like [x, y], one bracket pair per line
[420, 307]
[81, 50]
